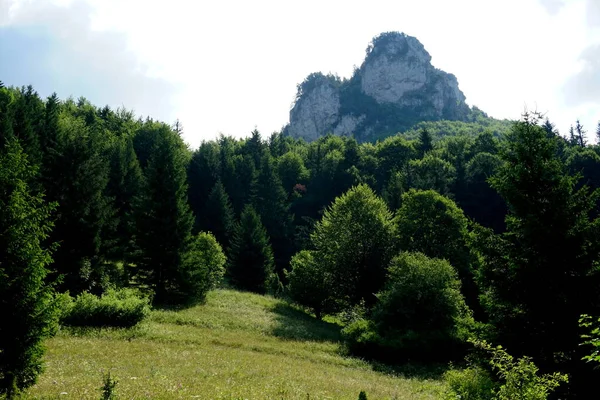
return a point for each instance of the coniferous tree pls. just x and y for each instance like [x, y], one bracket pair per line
[425, 142]
[539, 277]
[27, 309]
[271, 204]
[124, 186]
[163, 217]
[203, 172]
[76, 177]
[6, 116]
[580, 134]
[251, 264]
[218, 217]
[598, 133]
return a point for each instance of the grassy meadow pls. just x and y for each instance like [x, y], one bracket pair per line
[235, 346]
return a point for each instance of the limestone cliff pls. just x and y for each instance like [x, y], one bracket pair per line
[395, 87]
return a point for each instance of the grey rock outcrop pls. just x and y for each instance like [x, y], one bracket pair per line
[395, 87]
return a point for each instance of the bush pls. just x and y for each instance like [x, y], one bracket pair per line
[516, 379]
[472, 383]
[420, 314]
[307, 284]
[119, 308]
[204, 267]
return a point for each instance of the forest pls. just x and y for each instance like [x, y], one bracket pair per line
[451, 240]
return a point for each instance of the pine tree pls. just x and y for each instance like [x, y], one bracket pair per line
[27, 308]
[163, 217]
[425, 142]
[250, 258]
[202, 174]
[218, 217]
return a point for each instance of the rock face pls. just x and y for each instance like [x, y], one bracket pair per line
[395, 87]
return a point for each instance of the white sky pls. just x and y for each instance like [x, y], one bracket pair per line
[232, 65]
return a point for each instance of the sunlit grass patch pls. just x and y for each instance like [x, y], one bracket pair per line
[236, 345]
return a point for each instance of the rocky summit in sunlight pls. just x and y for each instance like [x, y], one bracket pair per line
[395, 87]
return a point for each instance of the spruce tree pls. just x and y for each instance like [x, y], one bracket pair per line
[27, 311]
[250, 265]
[218, 217]
[271, 204]
[76, 176]
[124, 185]
[541, 275]
[163, 217]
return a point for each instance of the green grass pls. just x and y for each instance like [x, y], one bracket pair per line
[237, 345]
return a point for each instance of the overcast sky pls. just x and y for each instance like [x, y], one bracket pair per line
[228, 66]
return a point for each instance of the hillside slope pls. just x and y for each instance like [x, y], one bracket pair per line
[237, 345]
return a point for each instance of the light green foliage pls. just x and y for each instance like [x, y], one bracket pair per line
[354, 243]
[203, 268]
[472, 383]
[117, 308]
[591, 336]
[519, 378]
[307, 283]
[28, 313]
[434, 225]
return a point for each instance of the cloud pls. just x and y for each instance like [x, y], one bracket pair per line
[584, 86]
[54, 48]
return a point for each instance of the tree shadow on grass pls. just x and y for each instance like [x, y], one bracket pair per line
[295, 324]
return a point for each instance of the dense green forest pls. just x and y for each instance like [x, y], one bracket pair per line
[428, 245]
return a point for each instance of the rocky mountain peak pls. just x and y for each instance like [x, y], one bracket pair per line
[395, 87]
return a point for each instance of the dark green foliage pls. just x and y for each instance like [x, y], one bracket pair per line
[432, 172]
[354, 243]
[76, 177]
[121, 308]
[125, 183]
[164, 220]
[108, 387]
[272, 206]
[420, 314]
[362, 395]
[218, 217]
[251, 262]
[292, 171]
[28, 313]
[425, 142]
[203, 172]
[539, 277]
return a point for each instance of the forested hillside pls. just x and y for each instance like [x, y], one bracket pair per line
[426, 245]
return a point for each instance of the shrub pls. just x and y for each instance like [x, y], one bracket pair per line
[204, 267]
[307, 284]
[420, 314]
[119, 308]
[520, 378]
[472, 383]
[516, 379]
